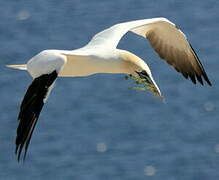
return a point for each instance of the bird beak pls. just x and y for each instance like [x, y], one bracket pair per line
[148, 82]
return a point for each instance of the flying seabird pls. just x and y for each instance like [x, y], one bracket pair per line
[101, 55]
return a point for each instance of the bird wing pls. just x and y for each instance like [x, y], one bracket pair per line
[30, 109]
[165, 38]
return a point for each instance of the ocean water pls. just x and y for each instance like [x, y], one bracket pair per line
[96, 128]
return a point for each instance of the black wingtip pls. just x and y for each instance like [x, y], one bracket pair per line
[207, 80]
[18, 152]
[204, 74]
[199, 78]
[30, 109]
[193, 79]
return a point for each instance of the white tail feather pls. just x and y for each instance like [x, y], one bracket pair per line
[18, 66]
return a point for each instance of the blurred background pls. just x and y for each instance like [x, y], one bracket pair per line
[96, 128]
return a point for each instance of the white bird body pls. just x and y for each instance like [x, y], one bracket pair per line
[45, 62]
[111, 61]
[75, 63]
[100, 55]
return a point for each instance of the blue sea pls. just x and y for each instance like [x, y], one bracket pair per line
[96, 128]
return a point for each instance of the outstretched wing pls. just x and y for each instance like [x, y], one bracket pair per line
[30, 109]
[166, 39]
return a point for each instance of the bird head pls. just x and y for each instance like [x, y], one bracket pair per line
[139, 71]
[145, 82]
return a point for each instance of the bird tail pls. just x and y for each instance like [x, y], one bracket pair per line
[18, 66]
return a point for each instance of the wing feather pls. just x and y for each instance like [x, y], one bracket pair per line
[183, 58]
[30, 109]
[167, 40]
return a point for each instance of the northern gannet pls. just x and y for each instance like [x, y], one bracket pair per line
[101, 55]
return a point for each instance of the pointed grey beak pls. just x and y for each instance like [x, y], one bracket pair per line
[150, 83]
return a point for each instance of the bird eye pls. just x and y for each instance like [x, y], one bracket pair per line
[143, 74]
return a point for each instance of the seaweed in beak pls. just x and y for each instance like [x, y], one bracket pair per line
[146, 83]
